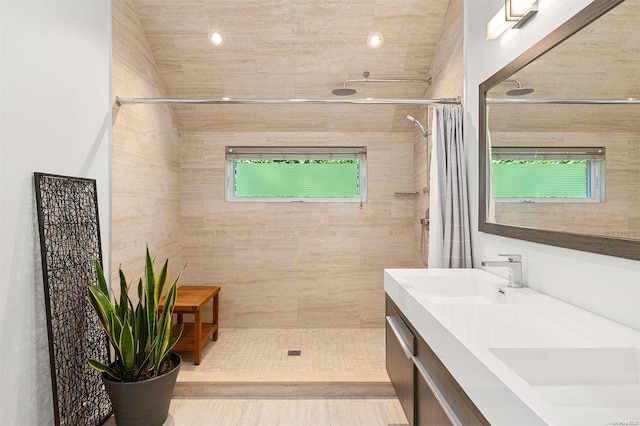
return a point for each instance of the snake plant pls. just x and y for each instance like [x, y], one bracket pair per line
[140, 334]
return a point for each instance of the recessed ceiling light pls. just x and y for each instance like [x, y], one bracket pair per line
[216, 37]
[375, 40]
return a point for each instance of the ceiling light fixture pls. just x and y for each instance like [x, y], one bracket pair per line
[375, 40]
[216, 37]
[514, 14]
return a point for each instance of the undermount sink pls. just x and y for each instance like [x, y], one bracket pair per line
[475, 287]
[588, 385]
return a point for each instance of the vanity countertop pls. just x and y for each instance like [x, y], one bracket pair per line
[521, 356]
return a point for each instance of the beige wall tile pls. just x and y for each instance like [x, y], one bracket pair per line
[145, 158]
[296, 265]
[279, 265]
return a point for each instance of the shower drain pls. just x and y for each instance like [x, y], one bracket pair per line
[294, 352]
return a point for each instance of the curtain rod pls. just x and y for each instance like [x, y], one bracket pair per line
[127, 101]
[565, 101]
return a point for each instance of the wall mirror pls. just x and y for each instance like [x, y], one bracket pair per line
[560, 137]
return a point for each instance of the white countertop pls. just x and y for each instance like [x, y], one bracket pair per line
[521, 356]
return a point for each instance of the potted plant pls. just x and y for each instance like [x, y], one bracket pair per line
[141, 379]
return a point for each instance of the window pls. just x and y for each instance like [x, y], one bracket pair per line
[537, 174]
[296, 174]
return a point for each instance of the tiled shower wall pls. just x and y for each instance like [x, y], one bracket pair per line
[297, 265]
[280, 265]
[285, 265]
[145, 156]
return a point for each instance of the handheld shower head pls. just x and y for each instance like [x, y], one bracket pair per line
[413, 120]
[518, 91]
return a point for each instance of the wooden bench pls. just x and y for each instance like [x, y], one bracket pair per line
[191, 300]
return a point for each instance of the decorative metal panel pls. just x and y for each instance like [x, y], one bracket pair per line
[70, 245]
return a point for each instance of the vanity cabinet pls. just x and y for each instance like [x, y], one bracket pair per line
[400, 348]
[435, 396]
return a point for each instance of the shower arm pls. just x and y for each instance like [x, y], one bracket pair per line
[513, 80]
[378, 80]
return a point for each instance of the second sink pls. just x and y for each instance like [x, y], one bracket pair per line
[588, 385]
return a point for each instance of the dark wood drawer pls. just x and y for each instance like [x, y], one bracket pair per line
[436, 397]
[399, 364]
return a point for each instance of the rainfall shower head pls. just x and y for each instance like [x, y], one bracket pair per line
[413, 120]
[518, 91]
[343, 91]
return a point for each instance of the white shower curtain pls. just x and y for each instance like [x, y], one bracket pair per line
[449, 232]
[491, 205]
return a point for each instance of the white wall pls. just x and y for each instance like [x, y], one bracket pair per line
[605, 285]
[55, 117]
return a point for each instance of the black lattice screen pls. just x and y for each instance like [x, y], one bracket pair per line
[70, 244]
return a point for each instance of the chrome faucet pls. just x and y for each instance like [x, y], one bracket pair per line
[514, 263]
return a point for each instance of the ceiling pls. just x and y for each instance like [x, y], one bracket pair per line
[291, 49]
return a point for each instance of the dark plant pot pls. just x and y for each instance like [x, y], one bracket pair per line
[143, 403]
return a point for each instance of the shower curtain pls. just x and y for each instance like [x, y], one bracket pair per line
[449, 231]
[491, 204]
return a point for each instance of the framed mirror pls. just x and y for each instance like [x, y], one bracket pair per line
[560, 137]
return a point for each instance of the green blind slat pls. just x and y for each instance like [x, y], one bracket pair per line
[540, 180]
[303, 180]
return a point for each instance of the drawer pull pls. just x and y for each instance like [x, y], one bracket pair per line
[436, 392]
[403, 344]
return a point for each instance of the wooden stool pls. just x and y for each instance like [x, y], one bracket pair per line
[190, 300]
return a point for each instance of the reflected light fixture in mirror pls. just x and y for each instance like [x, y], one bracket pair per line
[514, 14]
[520, 11]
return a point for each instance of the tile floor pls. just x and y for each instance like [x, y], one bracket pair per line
[285, 412]
[336, 351]
[265, 350]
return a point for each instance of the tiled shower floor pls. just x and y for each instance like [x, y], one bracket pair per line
[266, 350]
[325, 354]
